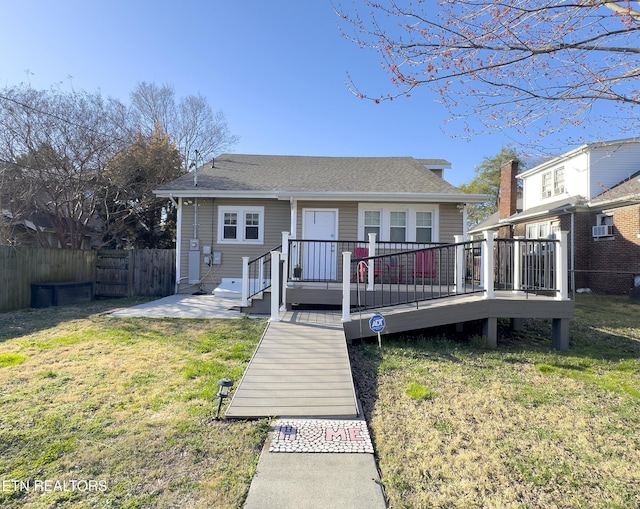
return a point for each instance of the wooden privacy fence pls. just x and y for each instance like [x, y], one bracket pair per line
[145, 273]
[140, 273]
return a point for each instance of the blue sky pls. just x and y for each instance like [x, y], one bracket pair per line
[277, 69]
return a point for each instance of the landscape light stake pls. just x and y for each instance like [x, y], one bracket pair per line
[225, 386]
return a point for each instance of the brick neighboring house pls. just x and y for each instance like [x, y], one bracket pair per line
[592, 192]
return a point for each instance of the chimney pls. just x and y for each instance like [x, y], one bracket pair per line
[508, 189]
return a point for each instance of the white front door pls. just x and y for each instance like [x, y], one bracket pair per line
[319, 259]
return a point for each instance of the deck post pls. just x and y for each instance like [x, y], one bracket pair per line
[371, 273]
[275, 287]
[490, 331]
[561, 266]
[487, 265]
[346, 286]
[459, 267]
[285, 269]
[560, 333]
[245, 282]
[517, 265]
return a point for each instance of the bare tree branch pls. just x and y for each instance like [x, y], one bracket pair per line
[501, 60]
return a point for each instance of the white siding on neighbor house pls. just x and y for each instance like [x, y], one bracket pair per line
[612, 165]
[586, 174]
[576, 182]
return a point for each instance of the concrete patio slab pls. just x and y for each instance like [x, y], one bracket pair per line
[185, 306]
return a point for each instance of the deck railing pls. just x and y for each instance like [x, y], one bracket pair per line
[321, 260]
[427, 272]
[256, 276]
[411, 277]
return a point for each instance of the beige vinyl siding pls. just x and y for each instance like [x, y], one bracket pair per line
[347, 217]
[450, 222]
[276, 220]
[450, 219]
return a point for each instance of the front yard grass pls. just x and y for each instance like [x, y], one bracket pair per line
[104, 412]
[523, 426]
[124, 411]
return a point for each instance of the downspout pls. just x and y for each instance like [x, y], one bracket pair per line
[573, 254]
[572, 242]
[465, 218]
[195, 218]
[178, 241]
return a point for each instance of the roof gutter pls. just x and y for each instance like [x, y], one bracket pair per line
[324, 196]
[615, 201]
[204, 193]
[386, 197]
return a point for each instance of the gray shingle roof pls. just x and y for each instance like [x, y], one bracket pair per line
[237, 172]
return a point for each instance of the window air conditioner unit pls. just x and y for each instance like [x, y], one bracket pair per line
[604, 230]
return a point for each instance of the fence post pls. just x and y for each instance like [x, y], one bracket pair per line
[245, 282]
[517, 264]
[131, 269]
[275, 286]
[487, 264]
[459, 266]
[371, 273]
[561, 266]
[346, 286]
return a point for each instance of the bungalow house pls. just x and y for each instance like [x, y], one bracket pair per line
[239, 206]
[593, 193]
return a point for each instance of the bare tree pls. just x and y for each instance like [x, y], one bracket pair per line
[59, 145]
[511, 63]
[197, 131]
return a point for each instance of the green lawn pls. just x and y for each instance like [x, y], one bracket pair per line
[121, 412]
[523, 426]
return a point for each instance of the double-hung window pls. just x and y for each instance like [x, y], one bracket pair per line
[398, 223]
[546, 184]
[372, 223]
[398, 226]
[240, 224]
[424, 227]
[558, 180]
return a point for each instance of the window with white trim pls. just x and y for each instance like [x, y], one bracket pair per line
[603, 227]
[397, 226]
[546, 184]
[398, 223]
[558, 180]
[372, 223]
[540, 230]
[424, 226]
[240, 224]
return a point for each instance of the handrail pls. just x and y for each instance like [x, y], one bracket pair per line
[452, 270]
[411, 277]
[319, 260]
[259, 274]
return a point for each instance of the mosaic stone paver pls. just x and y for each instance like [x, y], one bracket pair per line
[321, 435]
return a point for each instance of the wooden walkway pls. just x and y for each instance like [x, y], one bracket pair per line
[300, 369]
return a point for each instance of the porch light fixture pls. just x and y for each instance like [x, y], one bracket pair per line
[223, 393]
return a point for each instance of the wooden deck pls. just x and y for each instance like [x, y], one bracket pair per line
[300, 369]
[471, 307]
